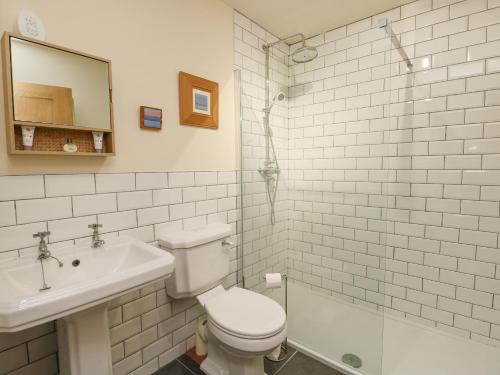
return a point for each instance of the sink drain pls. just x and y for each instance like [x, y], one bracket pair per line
[352, 360]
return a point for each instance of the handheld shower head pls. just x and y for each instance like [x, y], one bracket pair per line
[280, 96]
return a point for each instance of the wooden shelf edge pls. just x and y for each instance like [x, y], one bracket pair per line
[60, 153]
[55, 126]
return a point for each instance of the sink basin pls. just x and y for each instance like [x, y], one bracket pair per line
[102, 274]
[97, 275]
[78, 296]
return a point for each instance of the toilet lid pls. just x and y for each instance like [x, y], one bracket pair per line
[246, 313]
[188, 238]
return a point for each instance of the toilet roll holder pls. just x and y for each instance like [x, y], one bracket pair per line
[284, 345]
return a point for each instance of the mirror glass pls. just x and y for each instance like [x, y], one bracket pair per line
[53, 86]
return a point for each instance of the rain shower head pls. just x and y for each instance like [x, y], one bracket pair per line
[304, 54]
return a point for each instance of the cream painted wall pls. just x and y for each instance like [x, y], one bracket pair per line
[149, 42]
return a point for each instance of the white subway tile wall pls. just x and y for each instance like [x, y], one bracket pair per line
[393, 174]
[148, 329]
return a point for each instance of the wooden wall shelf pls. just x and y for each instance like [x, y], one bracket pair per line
[49, 140]
[55, 153]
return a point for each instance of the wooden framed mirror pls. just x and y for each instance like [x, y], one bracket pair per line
[60, 95]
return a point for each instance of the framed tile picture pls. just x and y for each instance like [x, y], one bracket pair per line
[151, 118]
[198, 101]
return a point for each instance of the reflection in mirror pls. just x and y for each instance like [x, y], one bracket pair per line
[53, 86]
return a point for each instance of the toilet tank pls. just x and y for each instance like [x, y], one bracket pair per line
[201, 259]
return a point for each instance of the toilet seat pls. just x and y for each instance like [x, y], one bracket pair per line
[245, 314]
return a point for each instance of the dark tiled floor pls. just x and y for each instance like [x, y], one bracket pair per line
[300, 364]
[178, 367]
[272, 368]
[295, 364]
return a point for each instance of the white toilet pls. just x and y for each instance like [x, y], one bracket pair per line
[244, 326]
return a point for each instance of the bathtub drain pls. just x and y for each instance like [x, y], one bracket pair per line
[352, 360]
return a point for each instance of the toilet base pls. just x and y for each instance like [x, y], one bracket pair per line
[221, 362]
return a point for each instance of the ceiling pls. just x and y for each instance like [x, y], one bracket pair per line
[310, 17]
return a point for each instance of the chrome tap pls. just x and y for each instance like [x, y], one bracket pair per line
[43, 251]
[96, 241]
[44, 254]
[270, 168]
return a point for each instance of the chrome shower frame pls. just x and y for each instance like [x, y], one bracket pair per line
[383, 23]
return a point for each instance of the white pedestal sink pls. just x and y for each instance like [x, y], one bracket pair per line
[78, 296]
